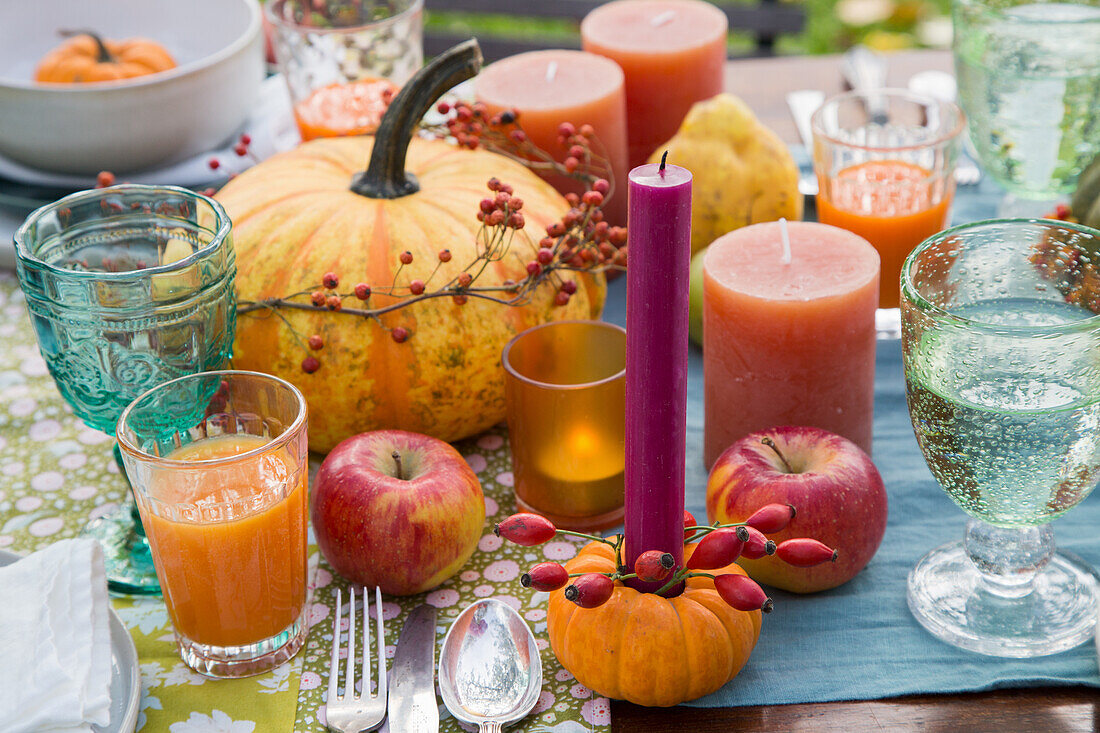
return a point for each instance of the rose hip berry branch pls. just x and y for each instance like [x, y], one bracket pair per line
[720, 546]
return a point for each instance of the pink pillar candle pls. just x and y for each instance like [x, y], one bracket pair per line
[656, 361]
[673, 53]
[548, 88]
[788, 343]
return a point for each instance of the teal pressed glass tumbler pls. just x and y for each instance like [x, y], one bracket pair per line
[127, 287]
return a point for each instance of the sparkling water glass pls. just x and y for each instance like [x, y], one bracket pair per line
[127, 287]
[1029, 80]
[1000, 336]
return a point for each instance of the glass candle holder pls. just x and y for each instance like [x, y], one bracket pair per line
[885, 163]
[564, 386]
[219, 465]
[1028, 74]
[127, 287]
[341, 58]
[1000, 337]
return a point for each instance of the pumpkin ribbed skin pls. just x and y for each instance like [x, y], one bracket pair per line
[79, 59]
[646, 649]
[295, 219]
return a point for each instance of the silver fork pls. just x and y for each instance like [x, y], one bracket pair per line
[352, 712]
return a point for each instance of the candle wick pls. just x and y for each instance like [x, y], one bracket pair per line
[786, 241]
[551, 71]
[658, 20]
[664, 158]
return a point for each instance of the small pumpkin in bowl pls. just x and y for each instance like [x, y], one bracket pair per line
[86, 57]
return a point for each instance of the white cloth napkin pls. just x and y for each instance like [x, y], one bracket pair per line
[55, 640]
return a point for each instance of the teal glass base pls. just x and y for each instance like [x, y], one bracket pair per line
[126, 555]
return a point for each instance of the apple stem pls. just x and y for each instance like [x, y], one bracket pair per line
[771, 444]
[397, 461]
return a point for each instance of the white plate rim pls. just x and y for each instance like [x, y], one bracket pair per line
[123, 656]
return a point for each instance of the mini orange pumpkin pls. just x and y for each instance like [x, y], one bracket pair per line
[647, 649]
[88, 58]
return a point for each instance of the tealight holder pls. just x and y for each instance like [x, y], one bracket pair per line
[564, 389]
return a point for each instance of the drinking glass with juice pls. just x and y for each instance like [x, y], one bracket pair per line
[885, 164]
[219, 465]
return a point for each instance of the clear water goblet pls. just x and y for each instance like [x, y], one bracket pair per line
[1001, 348]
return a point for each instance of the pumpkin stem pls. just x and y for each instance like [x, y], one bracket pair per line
[105, 56]
[386, 177]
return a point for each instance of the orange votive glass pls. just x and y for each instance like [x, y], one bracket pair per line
[885, 163]
[219, 466]
[564, 388]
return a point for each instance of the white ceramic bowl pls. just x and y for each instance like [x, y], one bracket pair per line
[134, 124]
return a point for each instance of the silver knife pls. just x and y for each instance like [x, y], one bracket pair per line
[412, 706]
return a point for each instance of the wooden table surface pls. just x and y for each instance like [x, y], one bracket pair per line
[763, 84]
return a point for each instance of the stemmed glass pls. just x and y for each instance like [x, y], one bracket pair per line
[127, 287]
[1000, 337]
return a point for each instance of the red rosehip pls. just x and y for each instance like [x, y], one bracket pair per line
[460, 299]
[487, 206]
[569, 286]
[214, 164]
[310, 364]
[526, 529]
[332, 302]
[416, 287]
[618, 236]
[592, 198]
[444, 255]
[104, 179]
[493, 184]
[406, 257]
[240, 149]
[1063, 212]
[586, 130]
[566, 129]
[362, 291]
[316, 342]
[518, 136]
[533, 268]
[571, 164]
[515, 204]
[561, 298]
[495, 219]
[329, 280]
[573, 199]
[742, 593]
[399, 334]
[516, 220]
[246, 139]
[501, 199]
[717, 550]
[590, 590]
[689, 521]
[556, 229]
[546, 576]
[317, 297]
[464, 279]
[443, 108]
[545, 256]
[654, 566]
[803, 552]
[757, 545]
[771, 518]
[506, 188]
[602, 185]
[576, 151]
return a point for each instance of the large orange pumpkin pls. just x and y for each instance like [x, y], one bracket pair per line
[296, 217]
[88, 58]
[647, 649]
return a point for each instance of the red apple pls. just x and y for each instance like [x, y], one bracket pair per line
[403, 528]
[836, 491]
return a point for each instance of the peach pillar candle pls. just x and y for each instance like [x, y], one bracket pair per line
[788, 340]
[673, 53]
[548, 88]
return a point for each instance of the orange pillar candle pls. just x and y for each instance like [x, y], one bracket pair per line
[548, 88]
[673, 53]
[788, 333]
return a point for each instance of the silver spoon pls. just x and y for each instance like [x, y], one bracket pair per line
[490, 673]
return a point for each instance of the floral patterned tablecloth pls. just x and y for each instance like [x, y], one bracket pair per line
[56, 474]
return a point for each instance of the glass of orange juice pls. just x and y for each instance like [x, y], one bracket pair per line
[885, 163]
[343, 60]
[219, 465]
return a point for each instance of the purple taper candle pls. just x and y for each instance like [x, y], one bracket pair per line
[658, 270]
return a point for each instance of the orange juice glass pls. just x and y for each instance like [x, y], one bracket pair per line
[885, 163]
[219, 465]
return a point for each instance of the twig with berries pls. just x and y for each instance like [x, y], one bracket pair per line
[717, 546]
